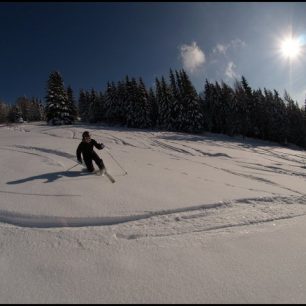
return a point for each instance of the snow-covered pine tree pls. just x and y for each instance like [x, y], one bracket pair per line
[144, 105]
[121, 103]
[42, 110]
[177, 112]
[207, 105]
[134, 114]
[94, 107]
[57, 111]
[218, 115]
[128, 97]
[111, 97]
[268, 111]
[279, 119]
[260, 113]
[4, 110]
[34, 113]
[36, 110]
[179, 85]
[101, 99]
[83, 106]
[107, 94]
[242, 109]
[23, 104]
[164, 100]
[296, 122]
[153, 107]
[250, 106]
[71, 105]
[193, 117]
[14, 113]
[158, 96]
[227, 108]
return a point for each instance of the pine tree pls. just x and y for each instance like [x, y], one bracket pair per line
[192, 116]
[158, 96]
[177, 107]
[71, 105]
[165, 100]
[152, 100]
[296, 122]
[96, 101]
[261, 115]
[207, 106]
[122, 101]
[278, 123]
[242, 94]
[227, 109]
[34, 110]
[94, 107]
[144, 105]
[57, 111]
[14, 113]
[134, 116]
[83, 106]
[4, 111]
[23, 104]
[217, 115]
[101, 99]
[111, 98]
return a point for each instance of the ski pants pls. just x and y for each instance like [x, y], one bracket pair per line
[98, 161]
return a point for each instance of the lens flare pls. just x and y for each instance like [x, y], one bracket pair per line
[291, 48]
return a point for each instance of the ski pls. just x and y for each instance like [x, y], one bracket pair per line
[110, 177]
[106, 174]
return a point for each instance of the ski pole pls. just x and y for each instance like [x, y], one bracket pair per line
[72, 167]
[125, 172]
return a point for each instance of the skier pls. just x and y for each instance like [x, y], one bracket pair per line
[86, 147]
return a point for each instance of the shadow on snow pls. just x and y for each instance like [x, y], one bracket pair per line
[51, 177]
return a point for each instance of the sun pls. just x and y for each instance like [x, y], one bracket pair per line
[291, 48]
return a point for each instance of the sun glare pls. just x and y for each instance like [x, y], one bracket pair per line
[291, 48]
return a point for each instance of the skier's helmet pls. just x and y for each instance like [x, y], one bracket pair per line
[85, 134]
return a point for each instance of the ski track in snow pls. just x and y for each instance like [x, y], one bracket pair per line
[167, 147]
[202, 218]
[155, 140]
[178, 152]
[218, 217]
[44, 158]
[221, 216]
[51, 151]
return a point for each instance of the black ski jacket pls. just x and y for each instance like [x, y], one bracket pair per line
[87, 149]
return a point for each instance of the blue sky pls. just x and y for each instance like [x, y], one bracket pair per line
[92, 43]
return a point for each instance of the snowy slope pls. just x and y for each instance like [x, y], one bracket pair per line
[190, 218]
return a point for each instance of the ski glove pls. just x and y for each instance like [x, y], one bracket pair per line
[102, 146]
[80, 161]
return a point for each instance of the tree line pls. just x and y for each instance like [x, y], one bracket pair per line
[29, 109]
[173, 104]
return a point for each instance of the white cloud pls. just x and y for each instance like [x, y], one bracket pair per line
[237, 43]
[222, 48]
[193, 57]
[230, 71]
